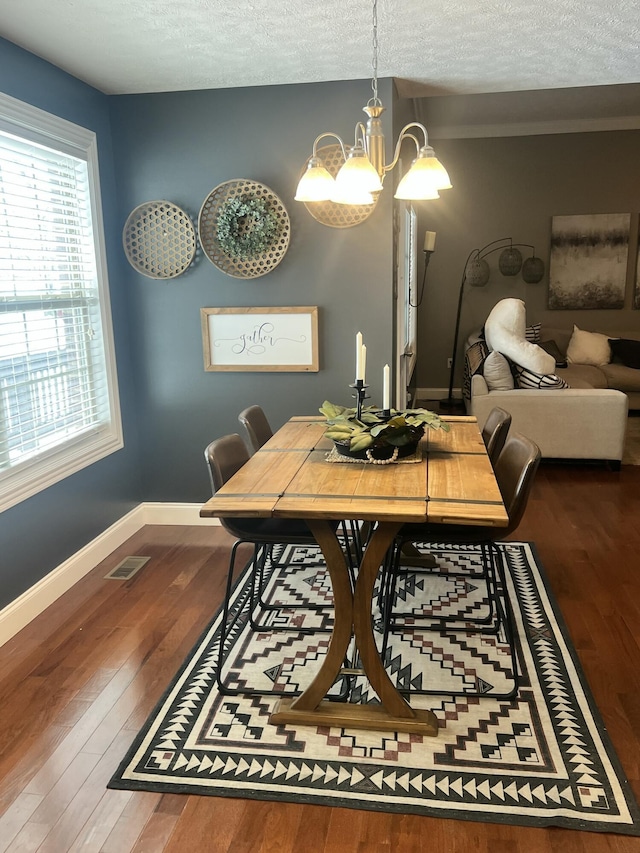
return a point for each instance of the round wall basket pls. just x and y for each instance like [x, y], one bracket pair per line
[159, 239]
[330, 212]
[252, 223]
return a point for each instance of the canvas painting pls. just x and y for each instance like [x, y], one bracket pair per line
[588, 261]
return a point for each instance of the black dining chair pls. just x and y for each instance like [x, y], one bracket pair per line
[515, 471]
[258, 431]
[495, 431]
[225, 456]
[257, 427]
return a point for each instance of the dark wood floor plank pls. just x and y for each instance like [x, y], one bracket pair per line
[79, 681]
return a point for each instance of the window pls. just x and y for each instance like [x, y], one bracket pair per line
[59, 408]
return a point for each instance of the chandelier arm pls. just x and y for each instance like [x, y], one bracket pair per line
[360, 127]
[396, 153]
[404, 134]
[335, 136]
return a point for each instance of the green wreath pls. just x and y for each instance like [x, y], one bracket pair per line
[246, 227]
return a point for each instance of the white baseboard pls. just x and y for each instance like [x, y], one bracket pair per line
[37, 598]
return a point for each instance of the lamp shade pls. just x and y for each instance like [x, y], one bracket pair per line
[316, 184]
[477, 272]
[532, 270]
[348, 195]
[426, 176]
[357, 175]
[510, 261]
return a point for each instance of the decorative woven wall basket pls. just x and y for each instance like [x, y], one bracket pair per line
[330, 212]
[244, 228]
[159, 239]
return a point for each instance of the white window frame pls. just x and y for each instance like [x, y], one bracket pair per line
[38, 473]
[406, 304]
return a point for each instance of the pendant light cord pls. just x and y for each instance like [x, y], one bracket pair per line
[374, 62]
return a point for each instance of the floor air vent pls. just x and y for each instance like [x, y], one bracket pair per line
[127, 568]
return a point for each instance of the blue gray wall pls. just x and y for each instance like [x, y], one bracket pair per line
[43, 531]
[179, 146]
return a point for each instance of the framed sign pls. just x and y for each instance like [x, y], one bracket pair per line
[269, 339]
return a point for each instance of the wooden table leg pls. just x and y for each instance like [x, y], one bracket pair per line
[353, 612]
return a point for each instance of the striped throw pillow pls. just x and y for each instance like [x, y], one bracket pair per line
[541, 382]
[532, 333]
[473, 362]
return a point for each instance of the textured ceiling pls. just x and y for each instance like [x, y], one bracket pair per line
[440, 47]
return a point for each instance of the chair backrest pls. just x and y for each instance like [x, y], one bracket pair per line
[258, 429]
[224, 457]
[515, 471]
[494, 432]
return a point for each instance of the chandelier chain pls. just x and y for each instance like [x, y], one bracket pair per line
[374, 63]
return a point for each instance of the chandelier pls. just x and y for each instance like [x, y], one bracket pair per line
[364, 169]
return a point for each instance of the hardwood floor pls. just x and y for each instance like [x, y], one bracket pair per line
[78, 682]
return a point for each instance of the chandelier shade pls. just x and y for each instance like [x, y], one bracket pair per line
[426, 176]
[316, 184]
[357, 175]
[349, 195]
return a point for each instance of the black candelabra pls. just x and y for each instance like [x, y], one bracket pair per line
[360, 395]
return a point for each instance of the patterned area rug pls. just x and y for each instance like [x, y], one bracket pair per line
[541, 758]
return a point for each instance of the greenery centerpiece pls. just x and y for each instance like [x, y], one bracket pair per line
[375, 436]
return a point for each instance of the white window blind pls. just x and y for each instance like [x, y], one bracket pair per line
[58, 397]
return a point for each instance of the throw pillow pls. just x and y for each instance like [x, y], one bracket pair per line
[473, 360]
[553, 349]
[588, 348]
[532, 333]
[497, 373]
[505, 331]
[541, 382]
[627, 350]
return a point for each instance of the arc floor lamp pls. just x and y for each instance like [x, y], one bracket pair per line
[477, 272]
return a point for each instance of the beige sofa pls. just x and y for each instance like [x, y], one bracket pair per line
[614, 375]
[586, 421]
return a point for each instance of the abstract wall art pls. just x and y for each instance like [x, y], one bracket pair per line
[588, 261]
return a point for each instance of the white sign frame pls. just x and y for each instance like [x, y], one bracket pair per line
[260, 339]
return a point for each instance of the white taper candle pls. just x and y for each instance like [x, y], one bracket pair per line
[386, 388]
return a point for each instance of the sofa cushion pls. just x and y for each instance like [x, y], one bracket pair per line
[542, 382]
[583, 376]
[627, 351]
[497, 372]
[505, 331]
[621, 378]
[588, 348]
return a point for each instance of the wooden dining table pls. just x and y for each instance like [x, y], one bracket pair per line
[290, 477]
